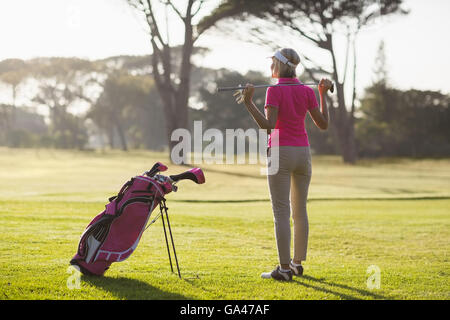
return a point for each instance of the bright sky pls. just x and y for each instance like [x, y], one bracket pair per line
[417, 45]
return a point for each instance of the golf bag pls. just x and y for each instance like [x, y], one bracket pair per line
[113, 235]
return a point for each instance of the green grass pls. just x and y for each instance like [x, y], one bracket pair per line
[394, 214]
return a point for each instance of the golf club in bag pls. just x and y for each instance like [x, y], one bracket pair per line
[114, 234]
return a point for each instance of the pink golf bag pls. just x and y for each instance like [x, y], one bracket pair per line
[113, 235]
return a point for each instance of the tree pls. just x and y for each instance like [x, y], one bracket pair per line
[409, 123]
[380, 66]
[130, 108]
[12, 72]
[219, 111]
[380, 108]
[61, 83]
[317, 22]
[26, 129]
[173, 83]
[401, 123]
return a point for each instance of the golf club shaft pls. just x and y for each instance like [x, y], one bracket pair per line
[221, 89]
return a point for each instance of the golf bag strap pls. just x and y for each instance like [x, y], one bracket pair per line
[125, 186]
[119, 196]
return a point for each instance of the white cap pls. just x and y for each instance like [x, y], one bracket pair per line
[283, 59]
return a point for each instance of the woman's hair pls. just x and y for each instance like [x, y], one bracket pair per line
[285, 70]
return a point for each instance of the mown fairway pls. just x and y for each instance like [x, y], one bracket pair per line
[394, 214]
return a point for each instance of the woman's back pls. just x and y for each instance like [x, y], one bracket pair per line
[292, 102]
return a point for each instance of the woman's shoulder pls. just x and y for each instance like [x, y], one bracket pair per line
[274, 90]
[308, 90]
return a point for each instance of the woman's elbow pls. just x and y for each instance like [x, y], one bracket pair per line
[323, 126]
[269, 128]
[271, 125]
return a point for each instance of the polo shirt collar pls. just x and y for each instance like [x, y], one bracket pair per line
[288, 80]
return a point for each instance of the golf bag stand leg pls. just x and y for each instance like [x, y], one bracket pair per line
[162, 206]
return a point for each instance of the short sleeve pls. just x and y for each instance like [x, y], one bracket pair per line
[272, 97]
[312, 100]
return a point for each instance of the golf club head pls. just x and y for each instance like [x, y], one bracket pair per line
[195, 174]
[157, 167]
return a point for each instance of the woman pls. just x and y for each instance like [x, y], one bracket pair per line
[285, 110]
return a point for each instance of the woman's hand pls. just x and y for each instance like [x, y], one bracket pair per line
[324, 86]
[248, 92]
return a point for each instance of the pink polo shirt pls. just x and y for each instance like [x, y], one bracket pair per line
[292, 102]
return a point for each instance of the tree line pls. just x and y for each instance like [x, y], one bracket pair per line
[74, 103]
[136, 102]
[114, 103]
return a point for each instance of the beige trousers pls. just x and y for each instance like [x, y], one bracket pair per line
[289, 187]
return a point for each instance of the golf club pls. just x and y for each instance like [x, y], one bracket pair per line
[240, 87]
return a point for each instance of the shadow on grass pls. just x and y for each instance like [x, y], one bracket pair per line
[337, 293]
[131, 289]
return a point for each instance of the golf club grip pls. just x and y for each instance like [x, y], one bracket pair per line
[332, 88]
[184, 176]
[227, 89]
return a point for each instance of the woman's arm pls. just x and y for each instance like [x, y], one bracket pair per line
[320, 118]
[263, 122]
